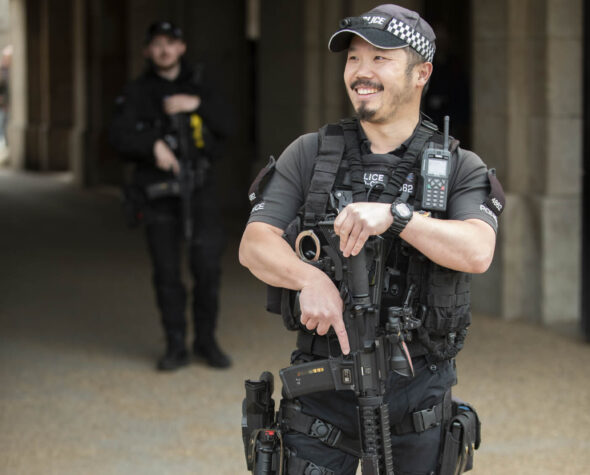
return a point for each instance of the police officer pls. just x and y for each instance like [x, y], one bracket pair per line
[141, 131]
[389, 52]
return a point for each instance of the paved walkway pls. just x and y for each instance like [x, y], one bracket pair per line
[79, 336]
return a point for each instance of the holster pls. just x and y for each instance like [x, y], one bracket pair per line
[461, 438]
[262, 438]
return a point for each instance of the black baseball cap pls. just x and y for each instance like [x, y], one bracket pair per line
[389, 27]
[162, 28]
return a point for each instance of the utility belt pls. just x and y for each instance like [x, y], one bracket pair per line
[263, 431]
[136, 197]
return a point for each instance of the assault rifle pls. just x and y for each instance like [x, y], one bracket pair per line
[192, 171]
[186, 177]
[374, 350]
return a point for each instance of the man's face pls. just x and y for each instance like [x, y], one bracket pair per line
[378, 81]
[165, 52]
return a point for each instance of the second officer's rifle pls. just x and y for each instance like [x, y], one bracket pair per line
[186, 176]
[192, 170]
[375, 350]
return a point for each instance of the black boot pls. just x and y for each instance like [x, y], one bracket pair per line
[176, 355]
[210, 351]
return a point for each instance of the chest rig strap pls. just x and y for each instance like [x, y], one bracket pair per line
[409, 161]
[324, 175]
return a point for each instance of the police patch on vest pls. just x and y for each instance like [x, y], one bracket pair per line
[375, 178]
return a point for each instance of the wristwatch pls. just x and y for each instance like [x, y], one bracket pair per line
[402, 214]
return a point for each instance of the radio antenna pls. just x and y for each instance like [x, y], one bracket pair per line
[446, 132]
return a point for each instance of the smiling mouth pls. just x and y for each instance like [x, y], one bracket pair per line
[365, 89]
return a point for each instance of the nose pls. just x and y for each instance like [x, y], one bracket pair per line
[362, 69]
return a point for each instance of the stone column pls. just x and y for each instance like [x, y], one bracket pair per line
[49, 84]
[281, 74]
[18, 83]
[59, 65]
[325, 95]
[561, 207]
[79, 92]
[527, 123]
[107, 73]
[37, 54]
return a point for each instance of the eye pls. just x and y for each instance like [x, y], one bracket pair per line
[351, 58]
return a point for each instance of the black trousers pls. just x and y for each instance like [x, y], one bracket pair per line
[167, 247]
[413, 453]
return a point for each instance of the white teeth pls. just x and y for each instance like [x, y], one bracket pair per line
[363, 91]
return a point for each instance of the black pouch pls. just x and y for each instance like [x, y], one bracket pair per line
[461, 439]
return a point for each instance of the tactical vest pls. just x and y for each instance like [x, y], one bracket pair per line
[439, 297]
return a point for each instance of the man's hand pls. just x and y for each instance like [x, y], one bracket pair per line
[321, 308]
[358, 221]
[165, 159]
[181, 103]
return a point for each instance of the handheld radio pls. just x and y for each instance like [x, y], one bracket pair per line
[435, 171]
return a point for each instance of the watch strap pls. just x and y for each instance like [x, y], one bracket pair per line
[399, 222]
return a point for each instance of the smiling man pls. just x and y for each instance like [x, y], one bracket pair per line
[435, 232]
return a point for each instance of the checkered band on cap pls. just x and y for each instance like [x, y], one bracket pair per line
[408, 34]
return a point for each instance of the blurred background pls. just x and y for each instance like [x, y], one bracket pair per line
[78, 323]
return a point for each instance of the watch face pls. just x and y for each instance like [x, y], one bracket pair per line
[403, 210]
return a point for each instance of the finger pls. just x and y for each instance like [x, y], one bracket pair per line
[340, 330]
[322, 328]
[360, 242]
[352, 240]
[340, 219]
[344, 232]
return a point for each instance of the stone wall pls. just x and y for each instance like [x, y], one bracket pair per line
[527, 123]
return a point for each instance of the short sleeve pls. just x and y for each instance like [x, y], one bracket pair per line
[469, 189]
[286, 190]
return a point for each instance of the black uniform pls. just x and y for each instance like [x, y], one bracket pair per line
[139, 121]
[415, 450]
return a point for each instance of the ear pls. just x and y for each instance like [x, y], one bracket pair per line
[424, 71]
[182, 48]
